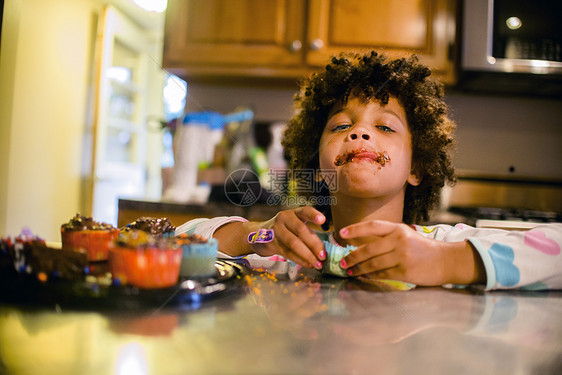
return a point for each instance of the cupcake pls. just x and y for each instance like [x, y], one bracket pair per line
[198, 257]
[83, 233]
[144, 261]
[332, 266]
[158, 227]
[335, 255]
[30, 255]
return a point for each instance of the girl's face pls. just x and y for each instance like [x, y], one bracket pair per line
[369, 146]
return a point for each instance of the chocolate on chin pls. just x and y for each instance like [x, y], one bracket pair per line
[376, 157]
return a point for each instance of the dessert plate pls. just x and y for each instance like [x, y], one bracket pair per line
[88, 295]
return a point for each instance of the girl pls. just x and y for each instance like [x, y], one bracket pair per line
[382, 126]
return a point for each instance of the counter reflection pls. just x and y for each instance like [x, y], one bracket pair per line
[293, 320]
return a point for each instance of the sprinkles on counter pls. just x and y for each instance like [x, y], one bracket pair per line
[263, 284]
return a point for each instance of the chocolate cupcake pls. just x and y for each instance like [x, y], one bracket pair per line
[85, 234]
[145, 261]
[30, 255]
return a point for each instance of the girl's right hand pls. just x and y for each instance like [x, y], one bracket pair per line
[293, 239]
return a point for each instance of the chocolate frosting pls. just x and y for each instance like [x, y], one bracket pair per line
[80, 222]
[150, 225]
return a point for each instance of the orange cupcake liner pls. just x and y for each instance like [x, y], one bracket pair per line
[147, 268]
[96, 243]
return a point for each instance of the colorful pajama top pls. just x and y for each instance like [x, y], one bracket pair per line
[513, 259]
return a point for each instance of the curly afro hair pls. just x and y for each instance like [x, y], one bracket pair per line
[372, 76]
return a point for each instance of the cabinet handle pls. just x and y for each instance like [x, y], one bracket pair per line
[316, 44]
[296, 46]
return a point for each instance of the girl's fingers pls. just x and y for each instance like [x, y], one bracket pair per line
[289, 254]
[295, 246]
[376, 264]
[388, 273]
[308, 237]
[310, 214]
[368, 228]
[375, 248]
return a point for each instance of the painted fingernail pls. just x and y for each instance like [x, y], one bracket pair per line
[318, 219]
[349, 272]
[319, 265]
[323, 254]
[343, 232]
[343, 264]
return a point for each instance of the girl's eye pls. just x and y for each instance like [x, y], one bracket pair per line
[385, 129]
[341, 127]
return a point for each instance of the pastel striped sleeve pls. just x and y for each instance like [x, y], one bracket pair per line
[512, 259]
[521, 259]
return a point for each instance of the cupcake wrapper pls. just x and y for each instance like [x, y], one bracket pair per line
[198, 259]
[335, 255]
[96, 243]
[145, 268]
[332, 266]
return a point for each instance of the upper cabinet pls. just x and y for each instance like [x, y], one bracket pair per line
[291, 38]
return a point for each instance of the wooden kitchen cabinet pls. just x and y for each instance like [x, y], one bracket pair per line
[234, 37]
[399, 27]
[291, 38]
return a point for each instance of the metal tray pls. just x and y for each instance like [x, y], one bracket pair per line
[82, 295]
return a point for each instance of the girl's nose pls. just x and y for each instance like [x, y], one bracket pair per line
[356, 135]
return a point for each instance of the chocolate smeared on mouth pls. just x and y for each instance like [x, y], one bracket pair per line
[379, 157]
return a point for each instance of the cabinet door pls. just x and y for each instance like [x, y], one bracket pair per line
[234, 33]
[397, 27]
[120, 131]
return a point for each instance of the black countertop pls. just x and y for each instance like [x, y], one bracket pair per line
[281, 319]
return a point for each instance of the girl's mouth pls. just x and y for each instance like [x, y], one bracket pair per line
[375, 157]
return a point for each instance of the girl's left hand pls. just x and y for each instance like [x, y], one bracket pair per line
[396, 251]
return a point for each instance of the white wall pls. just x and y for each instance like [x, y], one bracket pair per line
[269, 104]
[47, 72]
[493, 132]
[45, 82]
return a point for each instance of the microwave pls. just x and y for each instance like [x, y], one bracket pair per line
[512, 36]
[512, 46]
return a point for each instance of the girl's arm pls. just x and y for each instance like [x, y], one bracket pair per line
[292, 238]
[517, 259]
[457, 255]
[388, 250]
